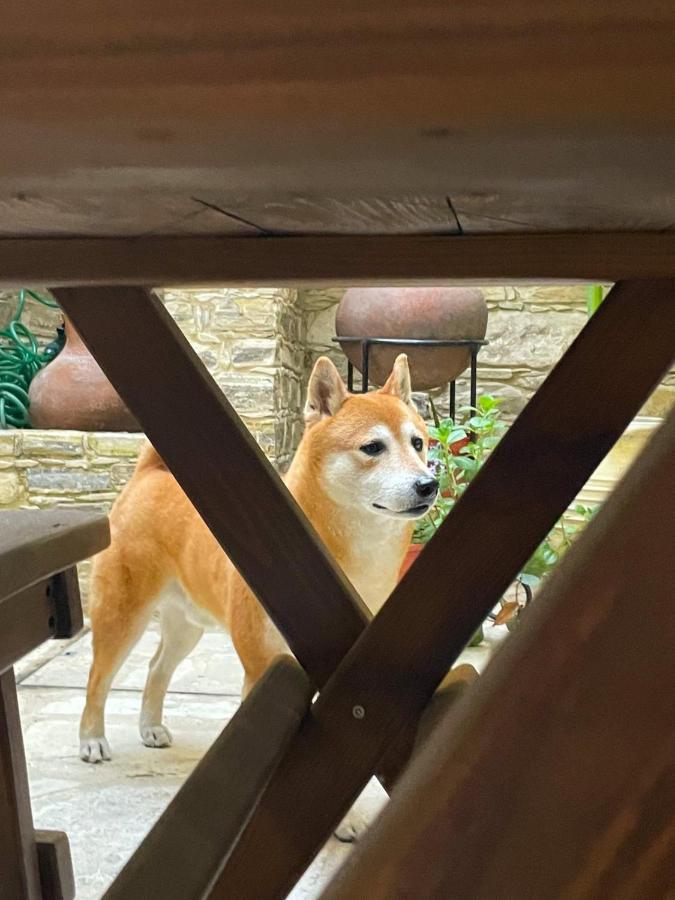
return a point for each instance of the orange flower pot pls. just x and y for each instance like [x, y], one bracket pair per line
[412, 553]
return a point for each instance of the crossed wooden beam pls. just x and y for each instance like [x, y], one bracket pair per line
[375, 678]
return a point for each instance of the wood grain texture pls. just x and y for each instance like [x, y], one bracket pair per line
[359, 101]
[392, 259]
[35, 544]
[132, 213]
[222, 470]
[558, 780]
[332, 215]
[185, 850]
[391, 672]
[575, 210]
[19, 876]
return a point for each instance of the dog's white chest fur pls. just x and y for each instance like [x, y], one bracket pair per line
[374, 560]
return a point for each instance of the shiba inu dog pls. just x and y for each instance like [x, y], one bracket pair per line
[360, 476]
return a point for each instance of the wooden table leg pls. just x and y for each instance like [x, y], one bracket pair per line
[19, 875]
[389, 675]
[560, 779]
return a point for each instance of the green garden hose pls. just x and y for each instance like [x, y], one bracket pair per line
[20, 360]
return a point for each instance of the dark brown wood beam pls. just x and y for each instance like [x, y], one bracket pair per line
[34, 615]
[19, 874]
[387, 678]
[326, 260]
[223, 471]
[559, 778]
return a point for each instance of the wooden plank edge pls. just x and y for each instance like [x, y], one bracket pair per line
[325, 259]
[57, 878]
[67, 540]
[19, 875]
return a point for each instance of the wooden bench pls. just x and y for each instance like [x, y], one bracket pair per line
[39, 599]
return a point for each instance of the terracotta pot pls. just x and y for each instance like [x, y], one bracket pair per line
[73, 393]
[411, 555]
[442, 313]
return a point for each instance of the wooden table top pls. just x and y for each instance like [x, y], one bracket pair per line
[145, 119]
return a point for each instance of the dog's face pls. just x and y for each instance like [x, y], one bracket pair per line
[370, 448]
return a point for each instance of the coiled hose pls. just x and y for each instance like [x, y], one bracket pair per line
[20, 360]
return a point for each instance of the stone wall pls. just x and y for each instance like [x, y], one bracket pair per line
[250, 340]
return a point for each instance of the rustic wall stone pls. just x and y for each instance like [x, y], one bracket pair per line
[7, 443]
[250, 341]
[10, 489]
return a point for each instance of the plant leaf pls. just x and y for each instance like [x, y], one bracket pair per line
[466, 463]
[457, 435]
[487, 402]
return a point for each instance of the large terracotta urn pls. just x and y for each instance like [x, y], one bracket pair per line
[73, 393]
[441, 313]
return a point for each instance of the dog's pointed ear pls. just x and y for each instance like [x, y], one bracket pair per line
[398, 382]
[326, 391]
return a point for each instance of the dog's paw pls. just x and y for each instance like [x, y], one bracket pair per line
[156, 736]
[351, 828]
[94, 750]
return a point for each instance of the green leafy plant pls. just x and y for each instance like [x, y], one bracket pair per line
[595, 294]
[458, 449]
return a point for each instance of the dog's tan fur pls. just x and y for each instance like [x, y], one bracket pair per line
[162, 553]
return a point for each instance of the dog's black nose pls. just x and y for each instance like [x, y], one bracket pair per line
[426, 487]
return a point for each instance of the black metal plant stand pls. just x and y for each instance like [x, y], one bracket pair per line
[366, 343]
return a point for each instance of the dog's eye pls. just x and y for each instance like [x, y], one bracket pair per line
[374, 448]
[418, 443]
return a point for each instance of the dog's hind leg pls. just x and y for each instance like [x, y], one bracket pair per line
[119, 612]
[110, 651]
[179, 637]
